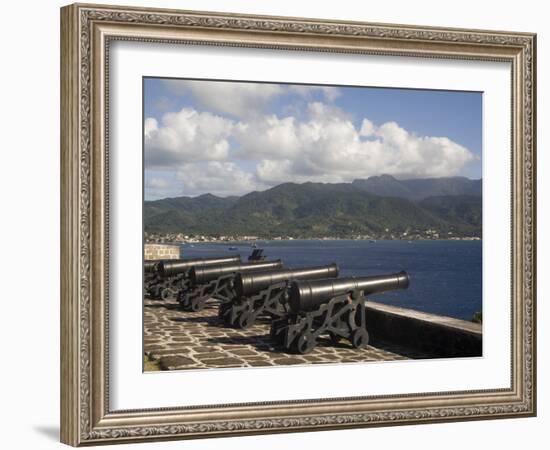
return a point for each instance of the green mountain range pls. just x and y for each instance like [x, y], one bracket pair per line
[419, 188]
[377, 207]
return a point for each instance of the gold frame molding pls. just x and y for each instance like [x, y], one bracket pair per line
[86, 31]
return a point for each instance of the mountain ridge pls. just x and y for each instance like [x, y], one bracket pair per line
[419, 188]
[322, 209]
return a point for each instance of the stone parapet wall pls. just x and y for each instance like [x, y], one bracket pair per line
[162, 251]
[442, 337]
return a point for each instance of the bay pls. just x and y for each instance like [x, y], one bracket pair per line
[446, 276]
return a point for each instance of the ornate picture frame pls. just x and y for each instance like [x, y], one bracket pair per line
[86, 34]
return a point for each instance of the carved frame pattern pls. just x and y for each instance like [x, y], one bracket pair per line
[86, 418]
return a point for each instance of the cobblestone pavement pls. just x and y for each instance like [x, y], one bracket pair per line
[197, 340]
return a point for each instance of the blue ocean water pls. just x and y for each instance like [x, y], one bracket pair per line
[446, 276]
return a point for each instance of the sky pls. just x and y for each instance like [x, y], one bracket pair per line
[230, 138]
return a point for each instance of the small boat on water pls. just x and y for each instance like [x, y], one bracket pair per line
[233, 248]
[372, 240]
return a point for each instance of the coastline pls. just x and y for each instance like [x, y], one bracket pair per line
[446, 274]
[259, 240]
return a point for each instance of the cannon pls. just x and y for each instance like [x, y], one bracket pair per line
[178, 271]
[335, 308]
[149, 265]
[266, 293]
[217, 282]
[149, 273]
[172, 275]
[152, 281]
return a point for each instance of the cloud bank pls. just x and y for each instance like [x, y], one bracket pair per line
[242, 99]
[228, 150]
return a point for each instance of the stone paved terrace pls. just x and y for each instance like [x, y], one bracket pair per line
[197, 340]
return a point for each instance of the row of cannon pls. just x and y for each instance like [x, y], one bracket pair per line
[303, 303]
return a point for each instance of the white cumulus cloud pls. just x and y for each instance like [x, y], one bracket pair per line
[328, 147]
[212, 153]
[184, 136]
[239, 99]
[218, 178]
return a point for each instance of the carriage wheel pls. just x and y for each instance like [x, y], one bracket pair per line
[197, 305]
[245, 320]
[359, 338]
[166, 293]
[305, 343]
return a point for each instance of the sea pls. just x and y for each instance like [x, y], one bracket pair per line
[445, 275]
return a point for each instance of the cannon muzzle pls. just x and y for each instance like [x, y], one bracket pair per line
[149, 265]
[252, 283]
[201, 275]
[172, 267]
[152, 265]
[309, 295]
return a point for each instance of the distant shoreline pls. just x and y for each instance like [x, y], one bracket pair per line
[261, 240]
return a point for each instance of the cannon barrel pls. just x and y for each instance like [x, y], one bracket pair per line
[252, 283]
[173, 267]
[201, 275]
[309, 295]
[152, 265]
[149, 265]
